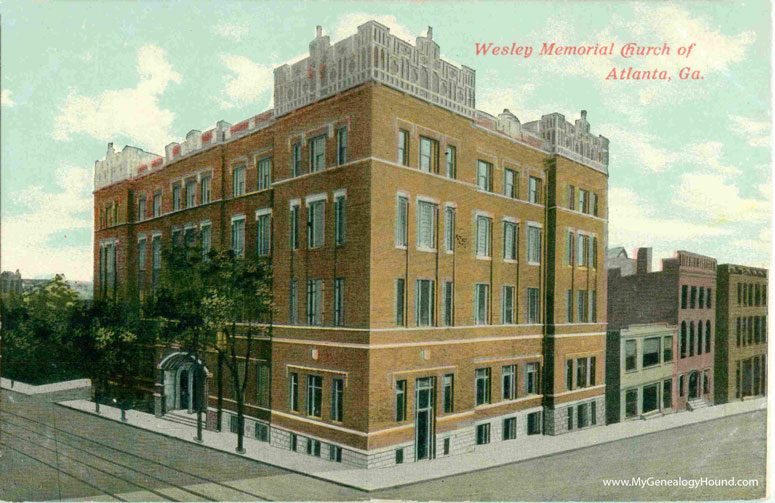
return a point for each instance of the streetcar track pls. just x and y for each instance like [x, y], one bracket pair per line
[102, 458]
[59, 470]
[88, 465]
[130, 454]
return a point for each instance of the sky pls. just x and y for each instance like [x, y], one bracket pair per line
[690, 160]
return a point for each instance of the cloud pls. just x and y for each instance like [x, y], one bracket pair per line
[639, 149]
[131, 112]
[762, 245]
[35, 236]
[709, 155]
[633, 222]
[494, 99]
[7, 101]
[710, 196]
[247, 83]
[757, 132]
[348, 25]
[232, 31]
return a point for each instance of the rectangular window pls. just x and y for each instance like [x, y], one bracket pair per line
[738, 330]
[650, 401]
[447, 303]
[582, 415]
[337, 400]
[263, 384]
[569, 374]
[701, 301]
[205, 189]
[510, 428]
[341, 146]
[234, 425]
[448, 393]
[155, 260]
[157, 203]
[569, 306]
[403, 147]
[426, 225]
[693, 298]
[313, 447]
[481, 304]
[400, 301]
[204, 240]
[191, 194]
[402, 210]
[262, 432]
[570, 417]
[482, 386]
[630, 355]
[533, 245]
[316, 223]
[532, 305]
[314, 395]
[531, 378]
[571, 197]
[451, 161]
[424, 302]
[593, 305]
[175, 233]
[317, 154]
[570, 250]
[294, 442]
[238, 236]
[264, 170]
[449, 228]
[399, 456]
[335, 453]
[667, 394]
[707, 298]
[315, 302]
[294, 217]
[507, 305]
[296, 160]
[509, 382]
[651, 351]
[509, 241]
[631, 403]
[583, 254]
[681, 379]
[141, 206]
[582, 306]
[339, 302]
[238, 181]
[582, 370]
[684, 296]
[534, 423]
[510, 183]
[429, 155]
[583, 201]
[483, 175]
[667, 349]
[534, 190]
[264, 233]
[401, 400]
[340, 222]
[293, 302]
[483, 434]
[293, 392]
[593, 203]
[176, 198]
[446, 446]
[483, 236]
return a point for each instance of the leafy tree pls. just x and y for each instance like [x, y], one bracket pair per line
[216, 303]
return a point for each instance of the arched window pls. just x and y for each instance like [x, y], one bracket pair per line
[691, 338]
[683, 339]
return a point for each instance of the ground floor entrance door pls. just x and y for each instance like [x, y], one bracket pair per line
[424, 418]
[694, 390]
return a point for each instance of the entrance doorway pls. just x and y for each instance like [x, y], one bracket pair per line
[425, 445]
[184, 383]
[694, 385]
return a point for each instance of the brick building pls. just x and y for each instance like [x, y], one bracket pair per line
[741, 333]
[681, 294]
[450, 275]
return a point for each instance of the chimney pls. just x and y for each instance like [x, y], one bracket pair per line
[318, 31]
[583, 115]
[643, 257]
[430, 33]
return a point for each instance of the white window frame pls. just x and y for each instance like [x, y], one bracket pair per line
[484, 175]
[426, 209]
[402, 220]
[481, 293]
[531, 245]
[483, 228]
[510, 252]
[317, 153]
[449, 228]
[264, 232]
[264, 173]
[507, 307]
[241, 251]
[238, 181]
[419, 285]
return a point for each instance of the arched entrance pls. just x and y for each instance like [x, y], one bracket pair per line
[694, 385]
[184, 381]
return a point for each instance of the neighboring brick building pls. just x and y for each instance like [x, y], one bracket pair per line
[681, 294]
[451, 270]
[741, 333]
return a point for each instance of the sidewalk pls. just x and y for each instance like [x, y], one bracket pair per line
[28, 389]
[501, 453]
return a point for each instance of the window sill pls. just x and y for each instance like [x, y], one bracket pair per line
[483, 257]
[534, 263]
[425, 249]
[511, 261]
[401, 247]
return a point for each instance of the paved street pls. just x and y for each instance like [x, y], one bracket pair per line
[104, 460]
